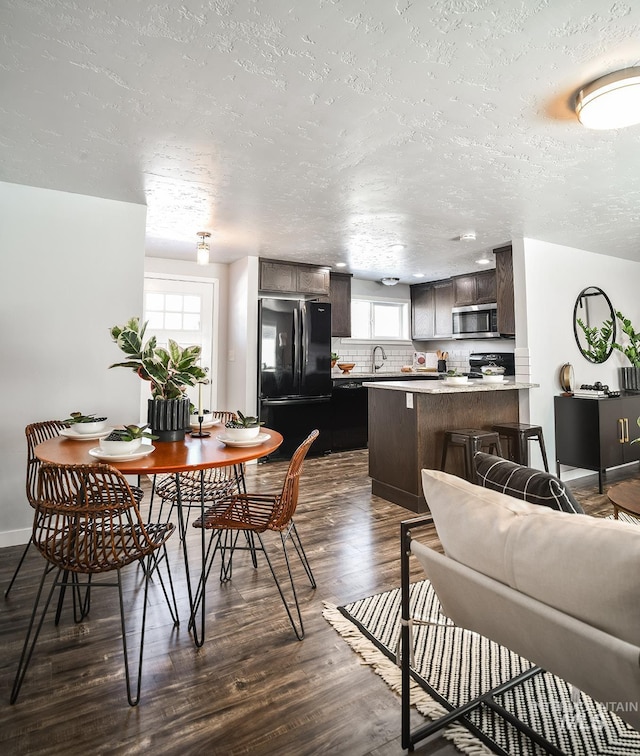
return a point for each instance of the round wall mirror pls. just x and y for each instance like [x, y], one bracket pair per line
[594, 324]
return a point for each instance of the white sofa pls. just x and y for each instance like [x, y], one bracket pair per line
[560, 589]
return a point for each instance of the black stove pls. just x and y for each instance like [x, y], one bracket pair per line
[478, 360]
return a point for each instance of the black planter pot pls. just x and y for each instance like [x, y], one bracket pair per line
[168, 418]
[630, 379]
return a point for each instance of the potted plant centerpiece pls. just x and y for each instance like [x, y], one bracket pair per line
[243, 428]
[85, 424]
[170, 371]
[334, 358]
[125, 440]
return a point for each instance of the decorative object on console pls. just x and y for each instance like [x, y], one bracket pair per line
[346, 367]
[334, 358]
[594, 324]
[567, 380]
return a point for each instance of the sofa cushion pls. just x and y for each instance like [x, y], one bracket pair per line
[525, 483]
[584, 566]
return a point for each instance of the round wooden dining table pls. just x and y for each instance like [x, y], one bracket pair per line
[194, 453]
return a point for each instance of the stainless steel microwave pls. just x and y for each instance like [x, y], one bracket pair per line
[475, 321]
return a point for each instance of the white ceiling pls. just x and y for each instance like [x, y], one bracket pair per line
[328, 130]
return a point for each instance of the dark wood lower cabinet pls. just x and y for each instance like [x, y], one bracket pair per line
[596, 434]
[403, 441]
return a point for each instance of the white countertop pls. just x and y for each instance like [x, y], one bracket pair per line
[390, 375]
[440, 387]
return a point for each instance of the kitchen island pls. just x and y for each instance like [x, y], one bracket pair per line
[407, 422]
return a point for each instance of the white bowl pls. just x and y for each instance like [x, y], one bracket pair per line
[241, 434]
[493, 378]
[120, 447]
[94, 427]
[456, 378]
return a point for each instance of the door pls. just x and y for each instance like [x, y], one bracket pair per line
[181, 310]
[278, 352]
[315, 361]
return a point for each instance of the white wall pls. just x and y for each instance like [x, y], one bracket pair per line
[218, 275]
[553, 276]
[72, 267]
[242, 356]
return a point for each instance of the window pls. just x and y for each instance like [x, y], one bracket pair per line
[379, 319]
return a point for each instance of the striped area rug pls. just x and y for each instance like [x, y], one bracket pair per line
[461, 665]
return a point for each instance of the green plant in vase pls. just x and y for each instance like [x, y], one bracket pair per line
[170, 372]
[631, 349]
[244, 427]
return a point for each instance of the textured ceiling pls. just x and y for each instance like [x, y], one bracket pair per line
[328, 130]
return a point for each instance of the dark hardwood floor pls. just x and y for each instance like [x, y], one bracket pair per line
[252, 688]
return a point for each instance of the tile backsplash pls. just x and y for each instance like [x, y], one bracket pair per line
[397, 356]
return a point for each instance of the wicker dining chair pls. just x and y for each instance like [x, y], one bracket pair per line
[36, 433]
[87, 522]
[194, 486]
[254, 514]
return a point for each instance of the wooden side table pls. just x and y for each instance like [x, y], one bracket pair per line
[625, 497]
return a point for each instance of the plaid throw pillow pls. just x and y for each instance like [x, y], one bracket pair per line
[525, 483]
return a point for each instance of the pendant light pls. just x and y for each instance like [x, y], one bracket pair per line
[202, 249]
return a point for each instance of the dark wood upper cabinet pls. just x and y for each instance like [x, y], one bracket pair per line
[504, 286]
[293, 278]
[474, 288]
[340, 300]
[431, 305]
[442, 304]
[422, 312]
[486, 287]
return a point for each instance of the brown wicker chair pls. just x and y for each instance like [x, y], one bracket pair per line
[254, 514]
[36, 433]
[87, 522]
[193, 487]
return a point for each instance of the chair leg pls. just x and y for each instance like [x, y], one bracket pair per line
[133, 699]
[297, 629]
[297, 543]
[32, 636]
[17, 570]
[543, 451]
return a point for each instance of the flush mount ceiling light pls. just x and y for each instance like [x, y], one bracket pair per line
[483, 261]
[202, 249]
[610, 102]
[341, 265]
[389, 281]
[397, 247]
[468, 237]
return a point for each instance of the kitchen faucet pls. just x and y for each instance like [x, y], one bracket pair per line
[375, 367]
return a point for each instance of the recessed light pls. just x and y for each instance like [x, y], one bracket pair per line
[483, 261]
[418, 275]
[397, 247]
[470, 236]
[341, 265]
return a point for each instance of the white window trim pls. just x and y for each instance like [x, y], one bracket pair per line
[390, 342]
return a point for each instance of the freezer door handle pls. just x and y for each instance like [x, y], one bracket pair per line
[297, 400]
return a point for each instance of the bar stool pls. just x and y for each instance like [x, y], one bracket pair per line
[471, 440]
[518, 436]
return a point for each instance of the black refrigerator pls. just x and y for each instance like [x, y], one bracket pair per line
[294, 378]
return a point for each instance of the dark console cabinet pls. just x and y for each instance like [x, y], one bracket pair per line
[596, 434]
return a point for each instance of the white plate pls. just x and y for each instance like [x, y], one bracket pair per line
[259, 439]
[141, 452]
[71, 433]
